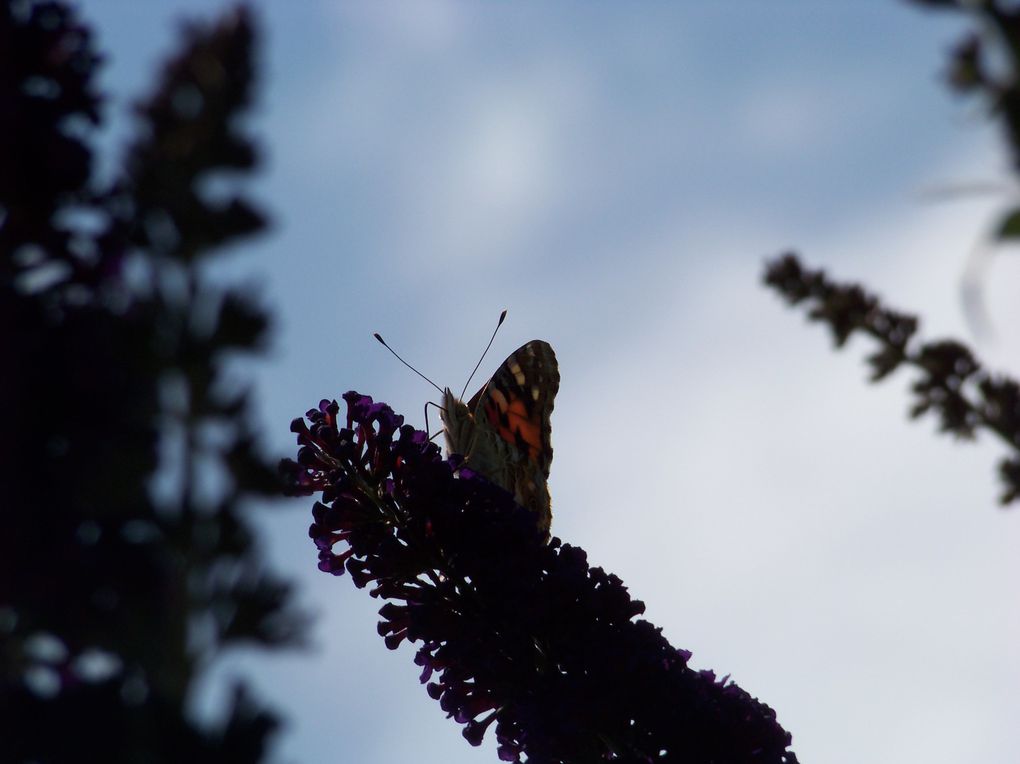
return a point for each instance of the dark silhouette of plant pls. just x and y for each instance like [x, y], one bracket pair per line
[985, 65]
[126, 561]
[952, 385]
[513, 632]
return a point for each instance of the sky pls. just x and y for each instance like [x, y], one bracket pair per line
[616, 175]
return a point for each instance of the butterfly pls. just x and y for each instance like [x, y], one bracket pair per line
[504, 431]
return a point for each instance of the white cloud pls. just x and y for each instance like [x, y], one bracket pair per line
[426, 25]
[778, 515]
[787, 116]
[781, 517]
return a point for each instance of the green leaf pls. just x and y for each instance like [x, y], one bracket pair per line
[1009, 226]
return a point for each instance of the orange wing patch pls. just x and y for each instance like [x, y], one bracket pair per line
[515, 423]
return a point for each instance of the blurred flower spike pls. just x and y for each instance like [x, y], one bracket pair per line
[514, 633]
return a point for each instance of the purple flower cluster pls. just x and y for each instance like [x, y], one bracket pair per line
[514, 632]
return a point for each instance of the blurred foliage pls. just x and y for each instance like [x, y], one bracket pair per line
[985, 64]
[952, 384]
[127, 563]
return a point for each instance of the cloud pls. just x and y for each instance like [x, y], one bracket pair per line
[782, 518]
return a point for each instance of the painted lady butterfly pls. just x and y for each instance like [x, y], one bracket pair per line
[504, 430]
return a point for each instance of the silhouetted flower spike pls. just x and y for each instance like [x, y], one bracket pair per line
[514, 634]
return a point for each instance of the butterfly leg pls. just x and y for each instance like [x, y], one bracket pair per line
[438, 432]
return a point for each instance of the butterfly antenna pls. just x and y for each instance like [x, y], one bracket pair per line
[502, 318]
[383, 342]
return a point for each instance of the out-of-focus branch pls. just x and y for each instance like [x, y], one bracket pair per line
[952, 384]
[127, 557]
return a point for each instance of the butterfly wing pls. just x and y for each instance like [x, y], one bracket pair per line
[518, 401]
[513, 431]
